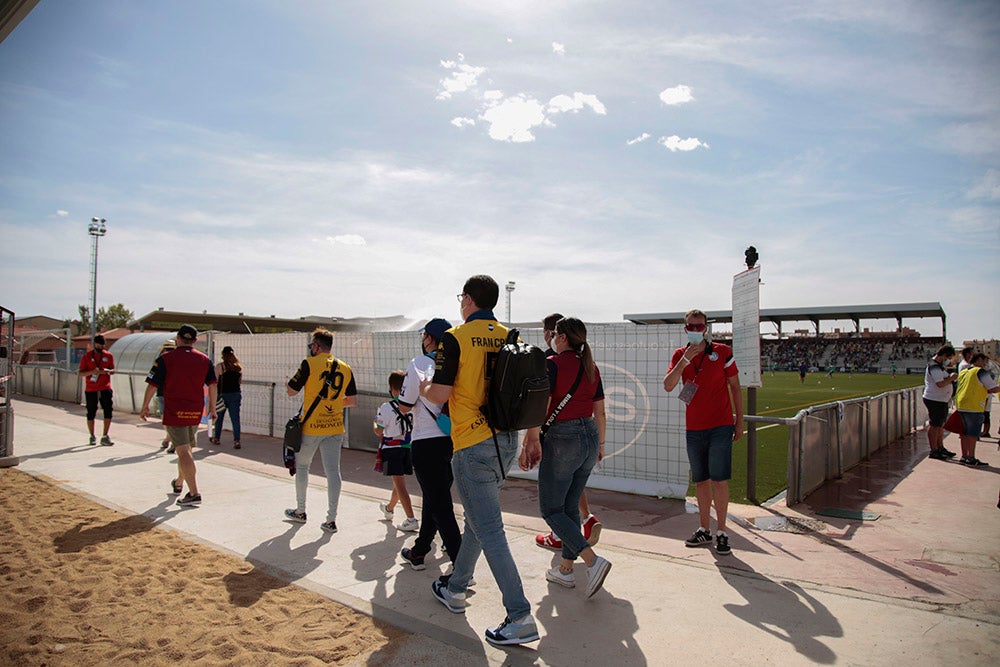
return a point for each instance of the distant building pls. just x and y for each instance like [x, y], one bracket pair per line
[991, 348]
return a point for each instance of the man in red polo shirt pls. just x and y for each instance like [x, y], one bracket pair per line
[183, 373]
[97, 367]
[711, 390]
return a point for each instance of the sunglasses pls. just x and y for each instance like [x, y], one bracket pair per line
[695, 327]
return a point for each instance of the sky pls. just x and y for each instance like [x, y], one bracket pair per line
[362, 159]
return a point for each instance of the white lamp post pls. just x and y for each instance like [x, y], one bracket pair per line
[510, 290]
[97, 229]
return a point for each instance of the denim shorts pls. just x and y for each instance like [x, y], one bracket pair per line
[972, 422]
[710, 453]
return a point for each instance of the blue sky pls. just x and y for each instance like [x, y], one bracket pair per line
[364, 158]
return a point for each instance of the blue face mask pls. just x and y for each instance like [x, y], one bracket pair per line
[695, 337]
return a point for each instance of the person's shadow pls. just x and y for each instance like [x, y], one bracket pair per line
[246, 588]
[80, 536]
[569, 619]
[784, 610]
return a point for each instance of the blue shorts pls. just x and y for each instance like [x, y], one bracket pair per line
[972, 422]
[710, 453]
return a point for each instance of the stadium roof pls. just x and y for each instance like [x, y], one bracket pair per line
[856, 313]
[171, 320]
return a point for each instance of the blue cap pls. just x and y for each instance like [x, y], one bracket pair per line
[437, 327]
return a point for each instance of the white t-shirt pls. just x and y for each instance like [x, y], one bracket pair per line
[393, 426]
[935, 373]
[424, 412]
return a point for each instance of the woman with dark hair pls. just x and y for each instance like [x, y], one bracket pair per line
[566, 449]
[230, 373]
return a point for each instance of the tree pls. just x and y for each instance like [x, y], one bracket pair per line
[111, 317]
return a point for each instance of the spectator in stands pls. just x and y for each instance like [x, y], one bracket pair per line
[937, 395]
[711, 391]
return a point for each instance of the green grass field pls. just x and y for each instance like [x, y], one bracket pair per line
[782, 395]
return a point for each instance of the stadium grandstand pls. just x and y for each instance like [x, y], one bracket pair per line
[862, 350]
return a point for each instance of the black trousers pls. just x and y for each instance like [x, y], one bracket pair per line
[432, 467]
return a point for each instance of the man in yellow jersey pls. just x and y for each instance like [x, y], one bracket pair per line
[464, 364]
[975, 383]
[329, 388]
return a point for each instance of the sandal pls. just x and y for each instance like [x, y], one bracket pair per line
[236, 444]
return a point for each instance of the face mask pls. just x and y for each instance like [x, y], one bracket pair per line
[695, 337]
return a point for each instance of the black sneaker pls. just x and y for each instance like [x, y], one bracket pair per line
[976, 463]
[701, 538]
[416, 562]
[938, 454]
[722, 545]
[188, 499]
[176, 487]
[946, 452]
[329, 526]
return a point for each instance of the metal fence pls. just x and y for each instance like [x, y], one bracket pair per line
[6, 386]
[826, 440]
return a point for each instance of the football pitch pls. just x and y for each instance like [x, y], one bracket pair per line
[782, 395]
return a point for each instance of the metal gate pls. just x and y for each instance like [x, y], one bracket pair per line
[7, 457]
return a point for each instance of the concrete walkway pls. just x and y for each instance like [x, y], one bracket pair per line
[920, 585]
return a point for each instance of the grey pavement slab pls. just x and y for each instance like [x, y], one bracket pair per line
[900, 589]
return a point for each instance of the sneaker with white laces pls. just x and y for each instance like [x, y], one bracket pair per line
[701, 538]
[521, 631]
[106, 441]
[410, 525]
[387, 513]
[455, 602]
[596, 574]
[296, 516]
[557, 576]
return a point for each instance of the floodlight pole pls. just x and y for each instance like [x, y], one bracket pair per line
[510, 290]
[96, 229]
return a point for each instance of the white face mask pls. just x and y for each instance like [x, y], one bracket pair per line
[695, 337]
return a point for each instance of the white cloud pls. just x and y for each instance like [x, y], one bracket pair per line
[62, 214]
[462, 122]
[463, 77]
[642, 137]
[513, 119]
[563, 103]
[988, 187]
[676, 95]
[493, 95]
[559, 49]
[347, 239]
[510, 41]
[675, 143]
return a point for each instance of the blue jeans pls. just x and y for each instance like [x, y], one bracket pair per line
[478, 480]
[569, 454]
[329, 448]
[232, 401]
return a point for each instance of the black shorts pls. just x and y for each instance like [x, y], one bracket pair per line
[105, 397]
[397, 461]
[937, 412]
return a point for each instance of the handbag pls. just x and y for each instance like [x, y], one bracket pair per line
[954, 423]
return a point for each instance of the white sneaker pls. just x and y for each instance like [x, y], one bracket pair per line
[386, 512]
[596, 574]
[411, 525]
[557, 576]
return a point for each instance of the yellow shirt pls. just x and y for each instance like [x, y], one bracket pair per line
[971, 394]
[466, 354]
[328, 416]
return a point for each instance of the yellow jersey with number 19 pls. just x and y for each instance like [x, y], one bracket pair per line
[475, 344]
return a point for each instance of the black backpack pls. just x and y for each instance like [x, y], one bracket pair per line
[518, 393]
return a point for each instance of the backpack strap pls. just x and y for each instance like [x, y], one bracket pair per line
[321, 394]
[565, 400]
